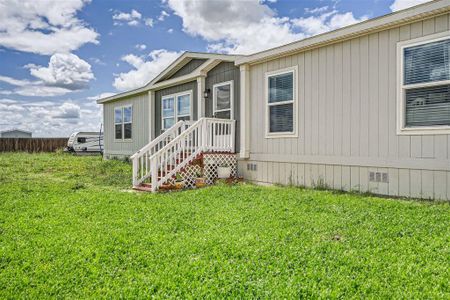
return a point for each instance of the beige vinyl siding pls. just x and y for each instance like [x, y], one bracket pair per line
[347, 119]
[140, 127]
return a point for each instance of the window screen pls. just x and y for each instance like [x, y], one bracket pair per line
[222, 100]
[118, 117]
[183, 105]
[281, 103]
[427, 105]
[281, 88]
[281, 119]
[427, 63]
[168, 112]
[123, 119]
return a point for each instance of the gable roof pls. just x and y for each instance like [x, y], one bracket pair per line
[373, 25]
[159, 82]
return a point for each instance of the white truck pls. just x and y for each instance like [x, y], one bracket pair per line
[85, 143]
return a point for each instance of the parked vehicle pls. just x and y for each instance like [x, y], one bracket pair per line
[85, 142]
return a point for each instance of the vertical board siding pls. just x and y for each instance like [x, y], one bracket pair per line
[140, 127]
[403, 182]
[347, 107]
[186, 69]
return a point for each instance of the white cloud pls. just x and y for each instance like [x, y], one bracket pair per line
[97, 61]
[67, 111]
[100, 96]
[402, 4]
[64, 70]
[233, 25]
[170, 30]
[326, 22]
[44, 26]
[148, 22]
[65, 73]
[37, 90]
[243, 27]
[144, 70]
[131, 18]
[13, 81]
[140, 47]
[7, 101]
[50, 118]
[164, 14]
[316, 10]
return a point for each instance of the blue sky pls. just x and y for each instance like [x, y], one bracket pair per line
[57, 57]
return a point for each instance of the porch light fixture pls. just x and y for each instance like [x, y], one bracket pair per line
[206, 93]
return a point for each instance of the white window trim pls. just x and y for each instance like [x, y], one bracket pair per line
[123, 139]
[294, 133]
[231, 109]
[401, 106]
[175, 113]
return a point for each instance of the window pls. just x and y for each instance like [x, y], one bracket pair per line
[123, 122]
[281, 98]
[223, 100]
[424, 91]
[81, 140]
[176, 107]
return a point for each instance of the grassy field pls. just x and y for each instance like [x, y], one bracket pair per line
[71, 228]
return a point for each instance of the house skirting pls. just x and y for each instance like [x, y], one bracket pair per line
[399, 182]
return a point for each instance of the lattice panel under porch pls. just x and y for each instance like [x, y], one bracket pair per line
[212, 160]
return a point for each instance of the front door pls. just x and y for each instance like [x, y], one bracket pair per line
[223, 100]
[223, 108]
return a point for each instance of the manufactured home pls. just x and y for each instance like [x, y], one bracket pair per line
[363, 108]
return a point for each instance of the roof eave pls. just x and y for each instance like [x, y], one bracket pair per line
[212, 60]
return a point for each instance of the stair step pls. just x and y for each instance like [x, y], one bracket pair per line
[143, 188]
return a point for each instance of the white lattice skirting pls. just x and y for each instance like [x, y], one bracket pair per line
[210, 162]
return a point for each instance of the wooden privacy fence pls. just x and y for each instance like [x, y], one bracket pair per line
[32, 144]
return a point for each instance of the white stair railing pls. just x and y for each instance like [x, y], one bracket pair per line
[141, 159]
[206, 134]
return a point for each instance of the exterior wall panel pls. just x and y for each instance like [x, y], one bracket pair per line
[347, 119]
[140, 127]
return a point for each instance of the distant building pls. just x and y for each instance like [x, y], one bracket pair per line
[15, 133]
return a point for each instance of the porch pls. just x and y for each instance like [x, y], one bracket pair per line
[175, 151]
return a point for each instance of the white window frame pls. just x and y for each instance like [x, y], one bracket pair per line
[231, 109]
[175, 113]
[294, 133]
[401, 88]
[123, 139]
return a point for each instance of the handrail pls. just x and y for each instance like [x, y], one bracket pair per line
[187, 131]
[205, 134]
[158, 139]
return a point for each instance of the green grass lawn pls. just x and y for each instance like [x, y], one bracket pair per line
[71, 228]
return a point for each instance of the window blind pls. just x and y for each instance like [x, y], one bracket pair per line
[281, 118]
[281, 88]
[427, 62]
[429, 106]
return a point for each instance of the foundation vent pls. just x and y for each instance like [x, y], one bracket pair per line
[378, 177]
[251, 167]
